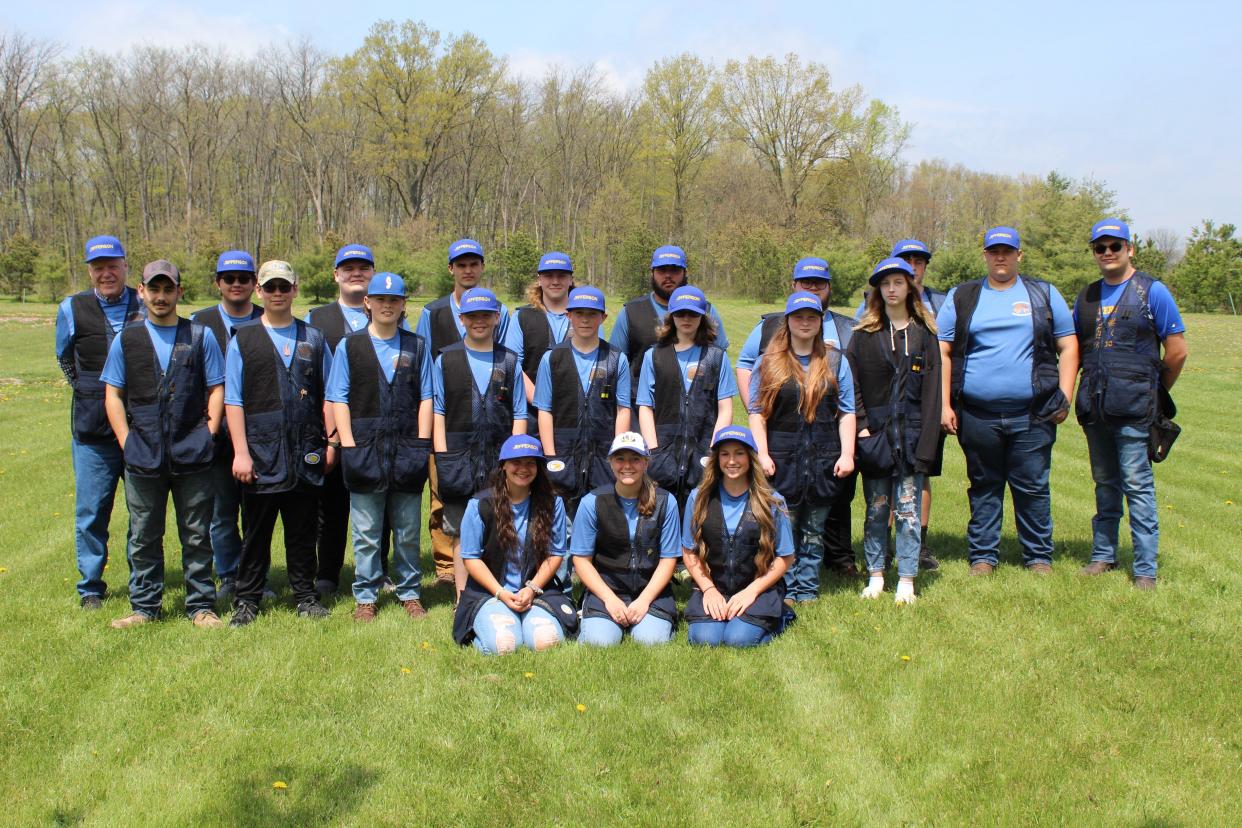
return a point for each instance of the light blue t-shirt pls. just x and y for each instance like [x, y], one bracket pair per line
[472, 537]
[501, 333]
[285, 341]
[1002, 343]
[845, 385]
[734, 508]
[480, 363]
[114, 312]
[231, 323]
[620, 335]
[387, 351]
[515, 340]
[1168, 320]
[163, 337]
[749, 355]
[582, 540]
[585, 363]
[688, 363]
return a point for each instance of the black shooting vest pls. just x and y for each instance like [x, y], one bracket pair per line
[167, 410]
[583, 422]
[536, 337]
[387, 454]
[1046, 396]
[772, 322]
[891, 386]
[1120, 356]
[643, 326]
[92, 337]
[283, 407]
[442, 323]
[627, 562]
[330, 320]
[805, 453]
[475, 425]
[684, 419]
[224, 330]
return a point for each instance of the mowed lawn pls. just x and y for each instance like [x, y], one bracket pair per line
[1011, 700]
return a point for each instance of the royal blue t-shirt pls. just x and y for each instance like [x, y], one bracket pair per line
[1002, 343]
[163, 337]
[734, 508]
[472, 537]
[582, 539]
[480, 363]
[387, 351]
[1167, 318]
[845, 385]
[285, 339]
[688, 363]
[585, 363]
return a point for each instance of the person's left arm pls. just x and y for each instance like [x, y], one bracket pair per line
[1171, 330]
[1067, 349]
[624, 395]
[670, 551]
[213, 372]
[847, 423]
[726, 390]
[1174, 358]
[741, 602]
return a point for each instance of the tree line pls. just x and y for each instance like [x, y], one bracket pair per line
[418, 137]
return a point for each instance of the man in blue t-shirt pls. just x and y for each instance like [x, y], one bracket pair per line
[1125, 320]
[1010, 358]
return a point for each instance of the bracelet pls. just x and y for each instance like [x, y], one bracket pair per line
[713, 586]
[498, 591]
[336, 444]
[534, 588]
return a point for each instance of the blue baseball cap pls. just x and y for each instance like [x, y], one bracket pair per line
[479, 299]
[104, 247]
[890, 265]
[734, 432]
[1002, 235]
[554, 260]
[354, 251]
[464, 247]
[1112, 227]
[688, 298]
[235, 260]
[521, 445]
[812, 267]
[906, 247]
[386, 284]
[802, 300]
[669, 254]
[586, 298]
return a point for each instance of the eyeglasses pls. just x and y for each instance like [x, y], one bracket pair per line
[276, 287]
[811, 284]
[235, 278]
[686, 314]
[1112, 247]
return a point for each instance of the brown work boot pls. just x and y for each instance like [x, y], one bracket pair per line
[206, 619]
[1145, 583]
[1040, 568]
[414, 608]
[1098, 567]
[134, 619]
[364, 613]
[982, 568]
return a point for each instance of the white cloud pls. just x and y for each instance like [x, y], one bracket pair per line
[114, 27]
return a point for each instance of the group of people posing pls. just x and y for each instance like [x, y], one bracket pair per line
[554, 455]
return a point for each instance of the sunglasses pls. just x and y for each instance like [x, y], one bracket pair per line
[235, 278]
[276, 287]
[1112, 247]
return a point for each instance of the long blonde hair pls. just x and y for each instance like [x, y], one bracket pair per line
[780, 364]
[874, 318]
[534, 293]
[762, 499]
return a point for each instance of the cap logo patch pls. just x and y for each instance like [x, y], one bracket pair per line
[527, 446]
[555, 261]
[236, 261]
[813, 267]
[910, 247]
[1002, 236]
[1110, 227]
[556, 466]
[388, 281]
[668, 256]
[104, 246]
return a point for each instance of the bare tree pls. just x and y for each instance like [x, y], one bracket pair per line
[27, 66]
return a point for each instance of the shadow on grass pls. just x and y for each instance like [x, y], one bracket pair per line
[317, 794]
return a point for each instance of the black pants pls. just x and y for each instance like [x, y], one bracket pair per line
[333, 524]
[838, 552]
[297, 514]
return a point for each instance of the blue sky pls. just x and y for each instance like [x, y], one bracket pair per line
[1141, 95]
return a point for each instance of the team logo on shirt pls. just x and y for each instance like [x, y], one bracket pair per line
[704, 460]
[1021, 308]
[304, 350]
[556, 465]
[312, 459]
[692, 371]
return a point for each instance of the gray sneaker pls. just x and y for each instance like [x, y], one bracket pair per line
[244, 613]
[91, 603]
[311, 608]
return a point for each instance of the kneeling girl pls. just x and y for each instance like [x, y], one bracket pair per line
[512, 541]
[738, 545]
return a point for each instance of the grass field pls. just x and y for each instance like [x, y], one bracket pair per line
[1011, 700]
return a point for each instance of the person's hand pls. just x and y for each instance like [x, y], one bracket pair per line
[525, 597]
[510, 600]
[243, 468]
[948, 420]
[714, 604]
[637, 610]
[844, 466]
[866, 432]
[329, 459]
[1060, 416]
[765, 463]
[617, 611]
[741, 602]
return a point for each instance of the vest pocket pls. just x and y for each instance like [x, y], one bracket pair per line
[409, 466]
[454, 475]
[1127, 393]
[875, 455]
[90, 419]
[825, 485]
[563, 472]
[663, 467]
[197, 448]
[1084, 399]
[268, 453]
[360, 467]
[144, 447]
[788, 478]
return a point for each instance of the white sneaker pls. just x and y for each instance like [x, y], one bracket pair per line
[875, 587]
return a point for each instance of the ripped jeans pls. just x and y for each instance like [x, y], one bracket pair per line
[907, 492]
[499, 630]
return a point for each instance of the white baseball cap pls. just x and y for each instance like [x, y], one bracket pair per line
[629, 441]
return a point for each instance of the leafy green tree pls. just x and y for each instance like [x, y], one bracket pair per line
[1056, 228]
[765, 258]
[632, 261]
[951, 266]
[850, 265]
[1149, 258]
[1209, 277]
[516, 263]
[18, 260]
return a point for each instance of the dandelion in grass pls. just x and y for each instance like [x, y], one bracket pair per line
[280, 786]
[406, 671]
[905, 658]
[528, 675]
[582, 708]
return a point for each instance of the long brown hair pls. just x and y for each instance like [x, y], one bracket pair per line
[780, 364]
[874, 318]
[540, 516]
[705, 334]
[762, 499]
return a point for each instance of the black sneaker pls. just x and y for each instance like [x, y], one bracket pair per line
[927, 562]
[311, 608]
[243, 613]
[90, 603]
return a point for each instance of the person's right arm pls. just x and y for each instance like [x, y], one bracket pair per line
[948, 419]
[114, 406]
[64, 343]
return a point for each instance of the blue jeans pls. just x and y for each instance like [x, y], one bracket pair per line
[97, 468]
[604, 632]
[907, 492]
[404, 510]
[802, 579]
[499, 630]
[1119, 466]
[732, 633]
[225, 539]
[1000, 449]
[148, 507]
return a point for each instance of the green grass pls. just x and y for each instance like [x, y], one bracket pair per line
[1024, 700]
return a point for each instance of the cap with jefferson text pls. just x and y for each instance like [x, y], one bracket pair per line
[1002, 235]
[812, 267]
[235, 261]
[1111, 227]
[104, 247]
[911, 247]
[670, 255]
[354, 252]
[464, 247]
[554, 260]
